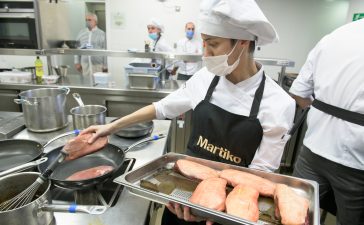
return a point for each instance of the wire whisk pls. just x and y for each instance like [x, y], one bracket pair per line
[26, 196]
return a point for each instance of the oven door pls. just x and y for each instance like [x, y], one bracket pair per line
[18, 30]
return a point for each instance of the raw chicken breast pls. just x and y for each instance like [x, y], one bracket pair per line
[235, 177]
[292, 208]
[78, 146]
[243, 202]
[194, 170]
[90, 173]
[210, 193]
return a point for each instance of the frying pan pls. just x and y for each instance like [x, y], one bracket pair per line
[135, 131]
[15, 152]
[109, 155]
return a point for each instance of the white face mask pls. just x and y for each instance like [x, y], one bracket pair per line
[218, 65]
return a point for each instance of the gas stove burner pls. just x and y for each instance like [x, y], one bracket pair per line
[105, 194]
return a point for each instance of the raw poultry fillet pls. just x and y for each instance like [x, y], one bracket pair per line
[78, 146]
[194, 170]
[292, 208]
[242, 202]
[235, 177]
[210, 193]
[90, 173]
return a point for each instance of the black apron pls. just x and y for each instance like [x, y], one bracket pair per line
[222, 136]
[349, 116]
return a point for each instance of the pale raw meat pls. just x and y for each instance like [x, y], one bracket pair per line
[210, 193]
[78, 146]
[235, 177]
[292, 208]
[90, 173]
[243, 202]
[195, 170]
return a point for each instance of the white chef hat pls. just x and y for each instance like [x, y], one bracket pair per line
[236, 19]
[155, 22]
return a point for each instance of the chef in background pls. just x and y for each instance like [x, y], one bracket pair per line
[333, 151]
[189, 44]
[237, 108]
[155, 30]
[91, 37]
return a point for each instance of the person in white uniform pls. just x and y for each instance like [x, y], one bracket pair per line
[189, 44]
[155, 30]
[239, 113]
[333, 151]
[91, 37]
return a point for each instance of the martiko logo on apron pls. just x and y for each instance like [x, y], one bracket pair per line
[220, 151]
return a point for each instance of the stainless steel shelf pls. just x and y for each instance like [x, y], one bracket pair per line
[131, 54]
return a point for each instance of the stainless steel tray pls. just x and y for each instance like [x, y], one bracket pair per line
[131, 180]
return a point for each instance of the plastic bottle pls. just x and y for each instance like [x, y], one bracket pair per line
[39, 70]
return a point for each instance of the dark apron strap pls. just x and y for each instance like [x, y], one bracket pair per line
[349, 116]
[257, 98]
[211, 89]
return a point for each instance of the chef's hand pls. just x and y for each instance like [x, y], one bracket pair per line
[78, 67]
[184, 213]
[98, 130]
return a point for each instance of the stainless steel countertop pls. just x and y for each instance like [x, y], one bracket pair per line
[118, 85]
[129, 209]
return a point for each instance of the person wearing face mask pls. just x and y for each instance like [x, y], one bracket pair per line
[189, 44]
[155, 30]
[91, 37]
[237, 108]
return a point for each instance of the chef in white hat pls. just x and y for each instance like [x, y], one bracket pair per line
[155, 30]
[239, 113]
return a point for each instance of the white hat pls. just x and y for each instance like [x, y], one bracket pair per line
[156, 23]
[236, 19]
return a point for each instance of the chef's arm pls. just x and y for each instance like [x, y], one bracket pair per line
[302, 102]
[146, 113]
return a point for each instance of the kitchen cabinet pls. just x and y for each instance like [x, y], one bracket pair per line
[7, 100]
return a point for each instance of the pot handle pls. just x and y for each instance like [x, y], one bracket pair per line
[61, 136]
[74, 208]
[24, 166]
[67, 89]
[23, 101]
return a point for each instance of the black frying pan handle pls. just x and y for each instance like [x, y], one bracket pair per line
[49, 170]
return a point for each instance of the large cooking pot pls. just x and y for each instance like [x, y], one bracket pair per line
[84, 116]
[44, 108]
[39, 211]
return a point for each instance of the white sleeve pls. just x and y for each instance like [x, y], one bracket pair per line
[303, 85]
[186, 97]
[269, 154]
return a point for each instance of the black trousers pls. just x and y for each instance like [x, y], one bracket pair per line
[347, 185]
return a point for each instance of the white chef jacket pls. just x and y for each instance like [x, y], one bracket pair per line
[94, 39]
[334, 71]
[276, 110]
[193, 46]
[162, 46]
